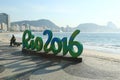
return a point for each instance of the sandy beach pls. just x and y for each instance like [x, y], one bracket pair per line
[96, 65]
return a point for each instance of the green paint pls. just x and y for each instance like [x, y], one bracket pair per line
[38, 43]
[49, 33]
[59, 44]
[75, 43]
[52, 44]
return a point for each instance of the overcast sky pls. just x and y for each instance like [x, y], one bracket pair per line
[64, 12]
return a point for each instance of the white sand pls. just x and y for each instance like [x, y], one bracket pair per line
[96, 65]
[6, 36]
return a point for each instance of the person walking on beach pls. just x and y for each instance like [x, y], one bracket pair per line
[12, 41]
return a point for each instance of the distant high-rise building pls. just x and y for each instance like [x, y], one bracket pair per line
[4, 18]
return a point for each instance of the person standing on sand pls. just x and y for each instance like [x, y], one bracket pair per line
[12, 41]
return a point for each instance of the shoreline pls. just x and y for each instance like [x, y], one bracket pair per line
[103, 49]
[102, 55]
[5, 38]
[96, 65]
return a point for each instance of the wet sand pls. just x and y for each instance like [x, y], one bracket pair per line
[96, 65]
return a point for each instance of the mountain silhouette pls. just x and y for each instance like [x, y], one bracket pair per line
[36, 23]
[91, 27]
[84, 27]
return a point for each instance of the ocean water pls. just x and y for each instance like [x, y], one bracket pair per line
[106, 42]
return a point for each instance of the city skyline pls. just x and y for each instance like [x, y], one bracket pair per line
[64, 12]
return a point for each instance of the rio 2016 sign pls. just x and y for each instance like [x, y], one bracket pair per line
[36, 43]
